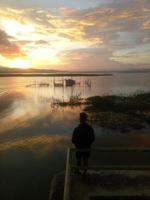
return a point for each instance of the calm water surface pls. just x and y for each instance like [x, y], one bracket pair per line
[34, 133]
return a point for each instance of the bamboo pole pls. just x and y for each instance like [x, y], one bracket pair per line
[67, 177]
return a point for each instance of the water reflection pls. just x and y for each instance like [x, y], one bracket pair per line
[38, 144]
[50, 121]
[8, 100]
[34, 133]
[29, 111]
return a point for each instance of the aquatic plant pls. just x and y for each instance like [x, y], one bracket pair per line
[121, 113]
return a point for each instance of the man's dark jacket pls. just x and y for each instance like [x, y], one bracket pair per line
[83, 136]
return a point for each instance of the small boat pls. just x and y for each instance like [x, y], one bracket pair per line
[70, 82]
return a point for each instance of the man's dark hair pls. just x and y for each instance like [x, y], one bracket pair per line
[83, 117]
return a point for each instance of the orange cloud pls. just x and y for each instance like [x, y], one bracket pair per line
[11, 51]
[44, 35]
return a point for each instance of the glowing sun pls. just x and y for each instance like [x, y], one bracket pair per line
[18, 63]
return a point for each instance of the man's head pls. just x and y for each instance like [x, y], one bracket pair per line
[83, 117]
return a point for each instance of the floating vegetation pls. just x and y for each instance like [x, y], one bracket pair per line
[122, 113]
[75, 100]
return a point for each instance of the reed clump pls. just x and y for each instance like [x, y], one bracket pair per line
[122, 113]
[116, 112]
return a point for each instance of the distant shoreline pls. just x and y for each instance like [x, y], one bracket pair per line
[52, 74]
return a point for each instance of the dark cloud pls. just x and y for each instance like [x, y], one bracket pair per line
[4, 38]
[8, 48]
[116, 17]
[102, 23]
[90, 58]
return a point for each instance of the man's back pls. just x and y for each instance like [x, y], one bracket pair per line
[83, 136]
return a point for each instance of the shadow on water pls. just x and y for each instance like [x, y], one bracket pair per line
[27, 175]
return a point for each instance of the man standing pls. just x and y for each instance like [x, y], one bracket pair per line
[83, 136]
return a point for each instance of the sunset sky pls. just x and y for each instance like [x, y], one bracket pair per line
[75, 34]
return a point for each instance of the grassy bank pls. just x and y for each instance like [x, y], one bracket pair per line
[122, 113]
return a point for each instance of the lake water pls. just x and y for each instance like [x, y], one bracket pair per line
[34, 134]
